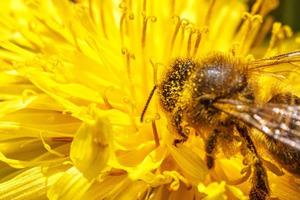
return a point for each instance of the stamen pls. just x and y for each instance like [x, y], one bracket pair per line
[144, 6]
[49, 149]
[197, 42]
[28, 95]
[150, 119]
[155, 133]
[128, 57]
[144, 28]
[108, 105]
[106, 101]
[102, 19]
[146, 20]
[98, 16]
[177, 178]
[279, 33]
[117, 172]
[131, 111]
[155, 69]
[176, 30]
[122, 27]
[129, 4]
[264, 30]
[184, 27]
[256, 6]
[29, 142]
[148, 194]
[246, 173]
[75, 38]
[209, 12]
[263, 7]
[190, 42]
[62, 139]
[192, 50]
[181, 25]
[126, 15]
[172, 6]
[248, 32]
[91, 11]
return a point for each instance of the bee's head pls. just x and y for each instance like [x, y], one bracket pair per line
[173, 82]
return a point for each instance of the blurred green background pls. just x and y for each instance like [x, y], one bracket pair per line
[288, 13]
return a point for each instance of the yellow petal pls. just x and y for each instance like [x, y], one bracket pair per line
[152, 161]
[189, 161]
[71, 185]
[91, 147]
[30, 184]
[214, 191]
[108, 188]
[133, 191]
[23, 164]
[14, 105]
[236, 192]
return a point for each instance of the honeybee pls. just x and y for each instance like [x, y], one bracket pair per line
[215, 94]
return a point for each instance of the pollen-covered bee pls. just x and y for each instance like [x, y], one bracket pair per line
[216, 94]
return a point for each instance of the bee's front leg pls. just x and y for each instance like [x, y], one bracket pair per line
[176, 122]
[260, 187]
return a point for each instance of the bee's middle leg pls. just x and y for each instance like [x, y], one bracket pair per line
[260, 187]
[210, 147]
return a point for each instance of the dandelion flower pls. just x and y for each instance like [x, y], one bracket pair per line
[74, 79]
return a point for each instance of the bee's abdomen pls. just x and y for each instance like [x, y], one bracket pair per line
[287, 156]
[171, 88]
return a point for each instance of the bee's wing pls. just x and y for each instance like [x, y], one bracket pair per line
[279, 121]
[292, 58]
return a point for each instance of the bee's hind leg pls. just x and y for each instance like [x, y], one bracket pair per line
[260, 187]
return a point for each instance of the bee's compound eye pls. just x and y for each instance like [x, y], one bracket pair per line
[206, 100]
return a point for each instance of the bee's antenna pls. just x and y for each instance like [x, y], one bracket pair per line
[147, 103]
